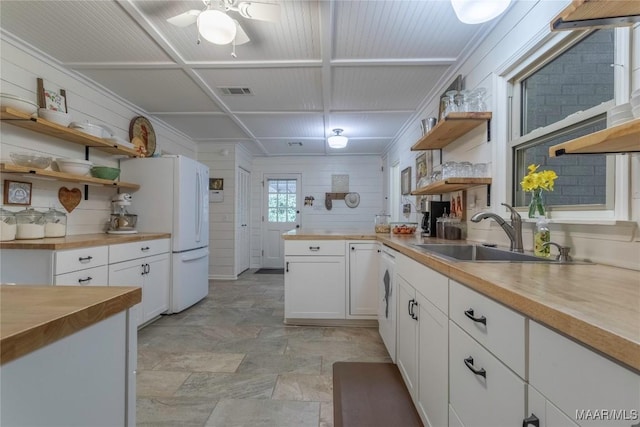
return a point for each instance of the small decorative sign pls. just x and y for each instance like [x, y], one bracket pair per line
[405, 181]
[17, 193]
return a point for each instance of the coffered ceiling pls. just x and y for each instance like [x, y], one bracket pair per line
[366, 66]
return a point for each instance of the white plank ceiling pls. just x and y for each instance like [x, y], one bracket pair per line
[366, 66]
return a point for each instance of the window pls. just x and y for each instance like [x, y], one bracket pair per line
[559, 98]
[281, 200]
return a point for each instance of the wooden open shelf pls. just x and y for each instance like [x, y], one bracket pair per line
[624, 138]
[39, 125]
[449, 185]
[61, 176]
[597, 14]
[452, 127]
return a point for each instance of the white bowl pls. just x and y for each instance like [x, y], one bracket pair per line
[89, 128]
[11, 101]
[74, 166]
[58, 117]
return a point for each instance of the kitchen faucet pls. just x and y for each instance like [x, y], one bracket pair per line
[514, 231]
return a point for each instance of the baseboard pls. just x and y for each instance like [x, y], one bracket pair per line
[222, 277]
[361, 323]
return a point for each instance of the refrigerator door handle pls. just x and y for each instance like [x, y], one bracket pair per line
[194, 257]
[198, 223]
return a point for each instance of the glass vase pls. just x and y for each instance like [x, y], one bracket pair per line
[536, 206]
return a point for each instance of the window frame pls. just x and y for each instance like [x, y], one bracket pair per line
[618, 166]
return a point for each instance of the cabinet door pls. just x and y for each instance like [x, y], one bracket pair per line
[314, 287]
[363, 278]
[433, 363]
[407, 334]
[542, 413]
[155, 286]
[129, 273]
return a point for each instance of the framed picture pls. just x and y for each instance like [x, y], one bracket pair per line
[405, 181]
[17, 193]
[216, 183]
[458, 84]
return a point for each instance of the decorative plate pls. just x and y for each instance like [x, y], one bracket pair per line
[140, 127]
[352, 199]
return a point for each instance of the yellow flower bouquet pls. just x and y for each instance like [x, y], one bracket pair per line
[535, 182]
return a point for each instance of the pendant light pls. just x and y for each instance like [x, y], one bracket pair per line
[337, 140]
[216, 27]
[478, 11]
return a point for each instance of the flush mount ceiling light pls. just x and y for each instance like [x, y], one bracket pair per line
[478, 11]
[337, 140]
[216, 27]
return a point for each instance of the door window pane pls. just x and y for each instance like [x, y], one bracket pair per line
[281, 197]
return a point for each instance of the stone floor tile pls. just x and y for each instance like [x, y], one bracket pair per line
[173, 411]
[201, 362]
[228, 386]
[159, 383]
[280, 363]
[314, 388]
[264, 413]
[326, 414]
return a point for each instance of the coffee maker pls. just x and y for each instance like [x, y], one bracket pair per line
[435, 210]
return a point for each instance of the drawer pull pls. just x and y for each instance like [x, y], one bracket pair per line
[469, 314]
[88, 279]
[145, 248]
[287, 267]
[531, 421]
[314, 248]
[85, 258]
[469, 362]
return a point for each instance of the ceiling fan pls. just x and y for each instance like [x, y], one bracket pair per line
[216, 26]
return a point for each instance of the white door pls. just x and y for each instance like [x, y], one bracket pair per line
[281, 213]
[242, 223]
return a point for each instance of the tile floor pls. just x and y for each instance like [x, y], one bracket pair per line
[230, 361]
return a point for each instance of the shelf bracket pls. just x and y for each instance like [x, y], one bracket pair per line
[86, 187]
[489, 130]
[488, 195]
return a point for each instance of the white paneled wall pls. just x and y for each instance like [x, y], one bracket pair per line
[86, 101]
[614, 244]
[365, 178]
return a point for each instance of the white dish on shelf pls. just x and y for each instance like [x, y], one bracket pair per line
[57, 117]
[12, 101]
[89, 128]
[74, 166]
[30, 160]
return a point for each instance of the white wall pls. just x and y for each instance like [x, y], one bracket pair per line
[614, 242]
[365, 178]
[20, 66]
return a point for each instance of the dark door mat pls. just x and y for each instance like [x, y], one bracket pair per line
[270, 271]
[371, 395]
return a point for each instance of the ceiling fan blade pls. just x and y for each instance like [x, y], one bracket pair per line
[260, 11]
[185, 19]
[241, 36]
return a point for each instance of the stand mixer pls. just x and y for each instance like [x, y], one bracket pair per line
[122, 222]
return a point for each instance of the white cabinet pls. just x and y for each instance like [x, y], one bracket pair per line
[542, 413]
[150, 272]
[387, 297]
[590, 389]
[423, 349]
[314, 279]
[363, 278]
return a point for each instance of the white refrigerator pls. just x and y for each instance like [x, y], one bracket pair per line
[174, 198]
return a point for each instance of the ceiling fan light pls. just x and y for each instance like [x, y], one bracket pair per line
[337, 140]
[216, 27]
[478, 11]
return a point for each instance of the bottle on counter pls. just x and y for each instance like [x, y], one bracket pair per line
[542, 235]
[7, 225]
[55, 223]
[30, 224]
[382, 223]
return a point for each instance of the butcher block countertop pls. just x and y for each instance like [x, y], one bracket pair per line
[32, 317]
[594, 304]
[81, 241]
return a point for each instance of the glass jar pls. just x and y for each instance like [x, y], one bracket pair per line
[449, 170]
[55, 223]
[30, 224]
[382, 223]
[7, 225]
[541, 236]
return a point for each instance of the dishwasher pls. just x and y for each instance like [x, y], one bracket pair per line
[387, 300]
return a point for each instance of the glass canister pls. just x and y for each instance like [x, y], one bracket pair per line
[7, 225]
[55, 223]
[30, 224]
[382, 223]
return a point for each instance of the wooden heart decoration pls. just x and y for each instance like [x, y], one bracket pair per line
[70, 199]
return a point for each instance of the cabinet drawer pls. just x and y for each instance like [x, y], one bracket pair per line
[97, 276]
[314, 247]
[433, 285]
[575, 379]
[502, 331]
[134, 250]
[496, 399]
[80, 259]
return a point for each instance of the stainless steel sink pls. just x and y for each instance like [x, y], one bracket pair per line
[479, 253]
